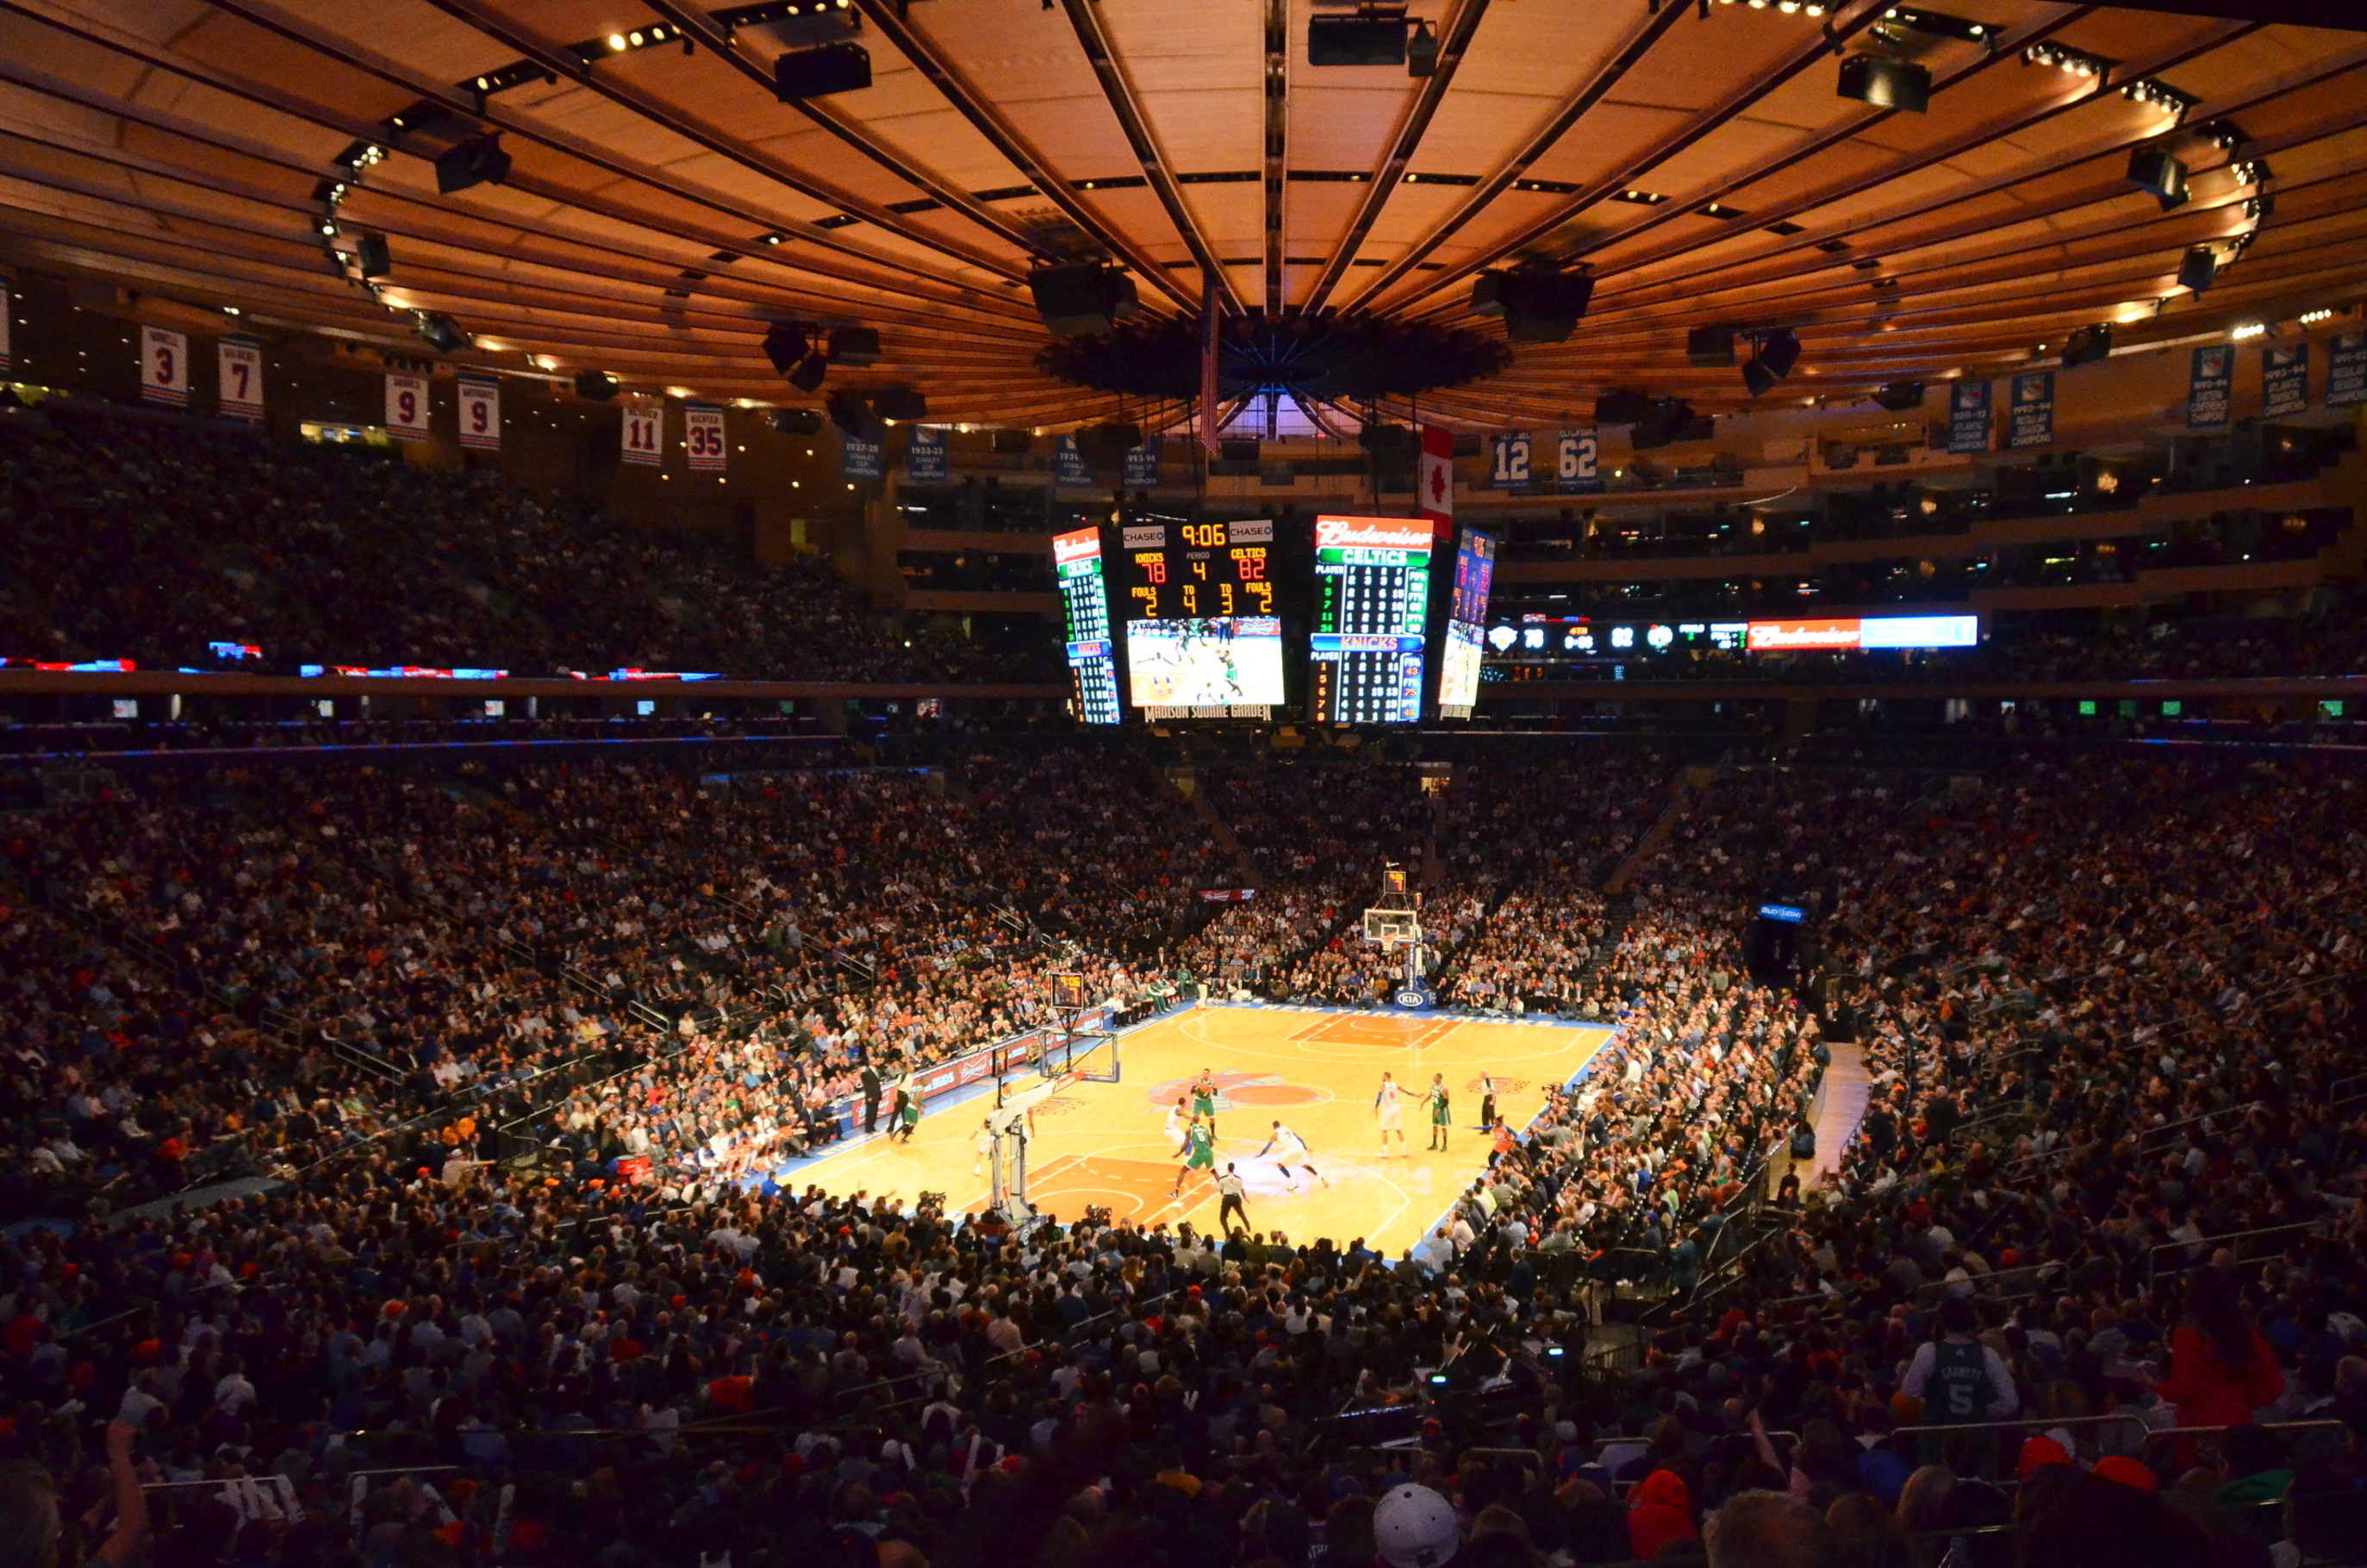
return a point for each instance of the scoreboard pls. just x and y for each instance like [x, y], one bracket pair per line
[1372, 577]
[1466, 626]
[1203, 640]
[1084, 604]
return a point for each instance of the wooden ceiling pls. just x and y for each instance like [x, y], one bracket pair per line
[664, 206]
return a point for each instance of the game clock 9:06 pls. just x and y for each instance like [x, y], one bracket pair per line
[1196, 570]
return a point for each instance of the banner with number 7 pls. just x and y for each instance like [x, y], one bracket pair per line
[406, 407]
[240, 364]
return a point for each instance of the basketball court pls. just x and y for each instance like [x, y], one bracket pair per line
[1103, 1144]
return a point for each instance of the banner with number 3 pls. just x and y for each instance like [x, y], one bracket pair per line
[406, 407]
[645, 431]
[164, 366]
[480, 415]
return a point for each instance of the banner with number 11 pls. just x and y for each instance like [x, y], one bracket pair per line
[645, 431]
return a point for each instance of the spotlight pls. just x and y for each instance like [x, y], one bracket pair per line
[784, 344]
[1084, 300]
[1899, 397]
[903, 403]
[2155, 172]
[441, 332]
[852, 414]
[1709, 346]
[477, 162]
[2089, 344]
[857, 347]
[797, 421]
[2198, 269]
[1422, 50]
[814, 72]
[807, 377]
[370, 251]
[597, 385]
[1886, 83]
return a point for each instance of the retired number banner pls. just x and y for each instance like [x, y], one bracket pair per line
[406, 407]
[480, 413]
[643, 430]
[240, 364]
[702, 437]
[163, 368]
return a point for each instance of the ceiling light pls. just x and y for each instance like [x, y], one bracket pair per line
[2311, 317]
[234, 311]
[634, 39]
[2247, 330]
[616, 40]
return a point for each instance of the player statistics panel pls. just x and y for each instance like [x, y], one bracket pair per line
[1084, 608]
[1372, 577]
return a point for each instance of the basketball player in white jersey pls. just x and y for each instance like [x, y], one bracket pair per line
[1294, 1152]
[1385, 1106]
[1176, 1119]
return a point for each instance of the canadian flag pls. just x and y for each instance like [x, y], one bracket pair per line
[1437, 474]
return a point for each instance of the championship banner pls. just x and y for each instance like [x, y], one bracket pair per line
[1968, 417]
[1510, 469]
[2031, 417]
[2285, 381]
[1069, 464]
[925, 455]
[642, 432]
[163, 368]
[1578, 463]
[1437, 478]
[239, 362]
[2208, 380]
[859, 459]
[1211, 333]
[702, 437]
[480, 413]
[406, 407]
[1142, 465]
[2346, 371]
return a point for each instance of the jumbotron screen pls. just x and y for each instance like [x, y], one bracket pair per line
[1466, 626]
[1084, 604]
[1372, 579]
[1202, 638]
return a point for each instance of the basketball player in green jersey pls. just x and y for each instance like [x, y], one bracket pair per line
[1204, 1100]
[1440, 1117]
[1199, 1154]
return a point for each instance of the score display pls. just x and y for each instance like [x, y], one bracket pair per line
[1372, 579]
[1084, 605]
[1467, 622]
[1202, 638]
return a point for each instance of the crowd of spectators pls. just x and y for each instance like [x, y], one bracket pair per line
[2109, 1185]
[152, 541]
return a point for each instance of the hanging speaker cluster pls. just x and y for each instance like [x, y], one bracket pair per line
[1771, 360]
[1538, 304]
[1084, 300]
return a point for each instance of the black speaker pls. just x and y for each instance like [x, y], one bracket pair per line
[1621, 407]
[852, 414]
[904, 404]
[1709, 346]
[811, 72]
[798, 421]
[477, 162]
[1757, 377]
[1356, 40]
[1084, 300]
[2160, 176]
[784, 344]
[1230, 450]
[1886, 83]
[807, 377]
[1488, 293]
[1011, 443]
[597, 385]
[2089, 344]
[1667, 420]
[1898, 397]
[2199, 268]
[1422, 50]
[857, 347]
[1545, 307]
[442, 332]
[375, 259]
[1780, 350]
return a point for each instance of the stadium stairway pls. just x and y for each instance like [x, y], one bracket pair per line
[1187, 785]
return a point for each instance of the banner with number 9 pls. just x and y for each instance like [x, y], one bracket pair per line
[406, 407]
